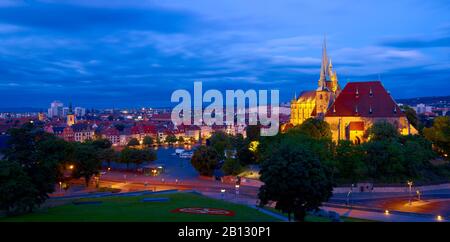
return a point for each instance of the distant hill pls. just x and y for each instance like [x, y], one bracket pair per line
[443, 101]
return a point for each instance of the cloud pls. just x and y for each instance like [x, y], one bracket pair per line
[69, 18]
[417, 43]
[133, 53]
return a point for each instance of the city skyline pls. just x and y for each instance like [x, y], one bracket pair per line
[137, 53]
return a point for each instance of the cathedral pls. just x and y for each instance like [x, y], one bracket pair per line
[350, 111]
[315, 103]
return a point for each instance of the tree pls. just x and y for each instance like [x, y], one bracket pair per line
[133, 142]
[294, 178]
[170, 139]
[180, 140]
[40, 155]
[385, 160]
[350, 161]
[147, 141]
[102, 143]
[205, 160]
[439, 135]
[411, 115]
[17, 192]
[232, 167]
[382, 131]
[314, 128]
[220, 142]
[87, 162]
[136, 156]
[253, 132]
[418, 152]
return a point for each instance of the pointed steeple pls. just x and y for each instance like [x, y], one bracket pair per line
[70, 108]
[324, 66]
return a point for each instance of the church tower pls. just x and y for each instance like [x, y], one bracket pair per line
[315, 103]
[323, 92]
[70, 116]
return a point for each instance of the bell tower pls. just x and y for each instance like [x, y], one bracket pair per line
[70, 116]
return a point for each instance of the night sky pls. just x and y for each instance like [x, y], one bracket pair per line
[135, 53]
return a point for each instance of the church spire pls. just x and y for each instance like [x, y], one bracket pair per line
[70, 108]
[324, 66]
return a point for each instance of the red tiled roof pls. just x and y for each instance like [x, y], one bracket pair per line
[364, 99]
[111, 132]
[358, 125]
[150, 129]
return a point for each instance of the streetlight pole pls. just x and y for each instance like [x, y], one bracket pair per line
[410, 183]
[222, 192]
[237, 190]
[349, 194]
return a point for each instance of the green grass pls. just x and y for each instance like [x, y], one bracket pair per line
[311, 218]
[132, 209]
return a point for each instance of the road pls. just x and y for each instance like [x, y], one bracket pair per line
[180, 175]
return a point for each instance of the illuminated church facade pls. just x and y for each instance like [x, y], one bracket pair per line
[315, 103]
[350, 111]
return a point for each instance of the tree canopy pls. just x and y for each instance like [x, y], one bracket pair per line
[314, 128]
[439, 135]
[133, 142]
[382, 130]
[294, 177]
[147, 141]
[205, 160]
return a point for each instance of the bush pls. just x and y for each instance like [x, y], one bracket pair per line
[232, 167]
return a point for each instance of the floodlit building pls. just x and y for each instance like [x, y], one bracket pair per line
[349, 112]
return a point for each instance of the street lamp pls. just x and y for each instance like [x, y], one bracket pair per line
[439, 218]
[237, 190]
[349, 194]
[418, 194]
[410, 183]
[223, 193]
[386, 212]
[71, 167]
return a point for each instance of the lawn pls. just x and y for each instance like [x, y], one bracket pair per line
[311, 218]
[132, 209]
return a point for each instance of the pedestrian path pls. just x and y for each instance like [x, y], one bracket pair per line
[270, 213]
[381, 216]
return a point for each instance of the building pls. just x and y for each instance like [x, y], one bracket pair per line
[68, 134]
[56, 109]
[315, 103]
[349, 112]
[70, 117]
[82, 132]
[111, 134]
[359, 106]
[422, 108]
[79, 111]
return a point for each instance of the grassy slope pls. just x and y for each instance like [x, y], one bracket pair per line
[133, 209]
[310, 218]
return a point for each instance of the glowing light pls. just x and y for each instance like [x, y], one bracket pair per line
[222, 191]
[439, 218]
[237, 186]
[386, 212]
[253, 147]
[71, 167]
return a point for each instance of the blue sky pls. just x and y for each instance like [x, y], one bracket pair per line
[134, 53]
